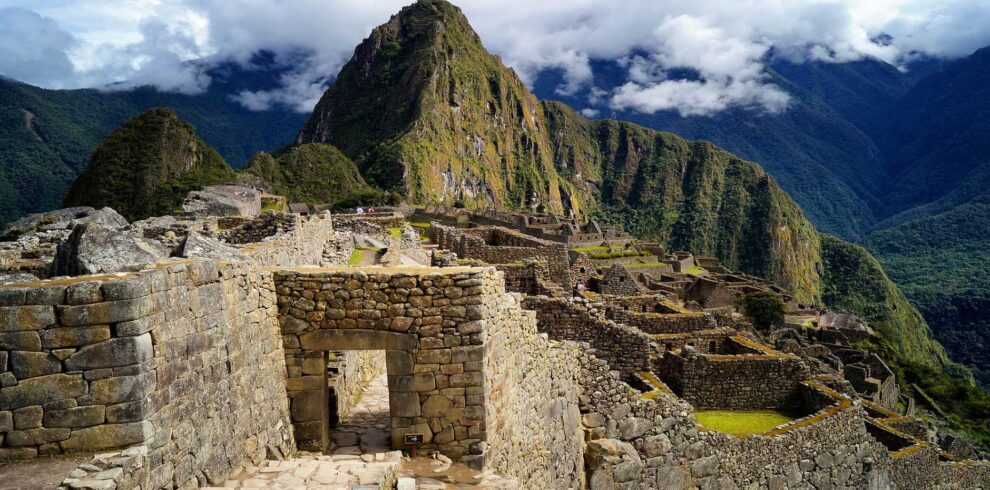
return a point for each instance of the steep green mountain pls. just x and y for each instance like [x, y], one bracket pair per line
[147, 166]
[423, 107]
[690, 195]
[826, 163]
[854, 281]
[936, 136]
[314, 173]
[47, 136]
[942, 262]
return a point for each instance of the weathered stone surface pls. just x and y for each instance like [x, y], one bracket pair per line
[23, 341]
[35, 437]
[75, 417]
[15, 278]
[121, 389]
[357, 339]
[108, 436]
[198, 245]
[95, 249]
[6, 421]
[26, 365]
[223, 200]
[19, 318]
[43, 389]
[122, 351]
[57, 338]
[106, 312]
[28, 417]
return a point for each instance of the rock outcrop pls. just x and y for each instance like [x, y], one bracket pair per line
[223, 200]
[95, 249]
[201, 246]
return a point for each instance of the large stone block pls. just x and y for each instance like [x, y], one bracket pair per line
[26, 341]
[6, 421]
[413, 382]
[123, 351]
[26, 365]
[75, 417]
[28, 417]
[58, 338]
[107, 312]
[403, 404]
[307, 405]
[35, 437]
[119, 389]
[41, 390]
[20, 318]
[108, 436]
[357, 339]
[399, 362]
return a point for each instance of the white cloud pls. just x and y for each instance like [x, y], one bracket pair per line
[722, 42]
[590, 113]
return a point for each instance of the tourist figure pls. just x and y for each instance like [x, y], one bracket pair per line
[359, 210]
[580, 289]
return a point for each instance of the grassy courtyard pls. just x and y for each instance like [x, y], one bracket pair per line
[742, 423]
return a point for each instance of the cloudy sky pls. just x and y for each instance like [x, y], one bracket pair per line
[91, 43]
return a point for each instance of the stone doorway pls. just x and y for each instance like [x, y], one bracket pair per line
[364, 427]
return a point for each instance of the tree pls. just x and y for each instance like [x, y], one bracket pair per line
[764, 308]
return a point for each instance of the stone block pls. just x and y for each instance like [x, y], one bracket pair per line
[304, 383]
[3, 361]
[57, 338]
[12, 296]
[6, 421]
[357, 339]
[127, 412]
[467, 353]
[83, 293]
[106, 312]
[403, 404]
[122, 351]
[413, 382]
[25, 341]
[399, 362]
[126, 289]
[21, 318]
[119, 389]
[45, 295]
[474, 378]
[26, 365]
[107, 436]
[437, 406]
[43, 389]
[307, 405]
[35, 437]
[75, 417]
[28, 417]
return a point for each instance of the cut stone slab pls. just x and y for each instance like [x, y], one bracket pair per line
[95, 249]
[223, 200]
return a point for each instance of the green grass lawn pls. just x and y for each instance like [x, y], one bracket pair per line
[742, 423]
[694, 271]
[645, 264]
[590, 249]
[356, 256]
[395, 231]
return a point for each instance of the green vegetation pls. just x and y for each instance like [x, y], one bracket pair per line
[764, 308]
[644, 264]
[147, 166]
[741, 423]
[48, 136]
[594, 249]
[315, 174]
[356, 257]
[942, 263]
[617, 254]
[395, 232]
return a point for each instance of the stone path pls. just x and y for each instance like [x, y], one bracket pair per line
[366, 428]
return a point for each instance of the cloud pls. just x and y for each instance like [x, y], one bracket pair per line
[722, 45]
[33, 48]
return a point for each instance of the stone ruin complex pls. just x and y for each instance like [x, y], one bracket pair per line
[207, 344]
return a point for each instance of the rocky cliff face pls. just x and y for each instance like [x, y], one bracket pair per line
[147, 166]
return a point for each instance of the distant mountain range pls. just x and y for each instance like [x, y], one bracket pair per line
[896, 161]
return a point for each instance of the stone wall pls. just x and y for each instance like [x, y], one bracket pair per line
[241, 230]
[734, 382]
[431, 324]
[626, 349]
[305, 245]
[662, 323]
[184, 359]
[385, 220]
[496, 245]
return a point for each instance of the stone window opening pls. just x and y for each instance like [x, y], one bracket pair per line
[711, 346]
